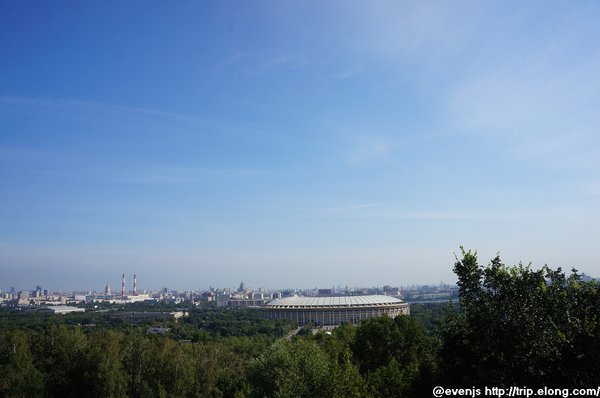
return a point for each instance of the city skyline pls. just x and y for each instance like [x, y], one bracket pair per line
[302, 144]
[115, 288]
[128, 288]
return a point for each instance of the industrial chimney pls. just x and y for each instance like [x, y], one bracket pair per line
[123, 286]
[134, 285]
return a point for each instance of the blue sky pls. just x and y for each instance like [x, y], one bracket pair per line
[295, 144]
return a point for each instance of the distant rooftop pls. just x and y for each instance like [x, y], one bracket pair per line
[336, 301]
[60, 309]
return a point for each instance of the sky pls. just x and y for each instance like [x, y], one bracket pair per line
[295, 144]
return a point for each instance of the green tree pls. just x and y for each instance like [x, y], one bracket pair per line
[291, 369]
[60, 354]
[389, 381]
[395, 352]
[172, 369]
[138, 365]
[105, 372]
[347, 381]
[19, 378]
[521, 327]
[337, 343]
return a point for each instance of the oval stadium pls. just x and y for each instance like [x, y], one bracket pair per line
[331, 311]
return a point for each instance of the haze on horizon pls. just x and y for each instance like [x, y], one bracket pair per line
[295, 144]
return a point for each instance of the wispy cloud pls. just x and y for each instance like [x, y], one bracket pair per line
[542, 102]
[179, 175]
[365, 148]
[129, 120]
[406, 30]
[442, 215]
[348, 73]
[407, 215]
[12, 153]
[353, 207]
[237, 58]
[376, 211]
[255, 62]
[155, 175]
[592, 189]
[89, 105]
[536, 90]
[284, 62]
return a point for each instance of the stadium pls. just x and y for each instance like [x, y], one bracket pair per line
[331, 311]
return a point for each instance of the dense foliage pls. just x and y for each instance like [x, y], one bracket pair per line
[65, 362]
[512, 326]
[522, 327]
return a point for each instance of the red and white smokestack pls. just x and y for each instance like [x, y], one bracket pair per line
[134, 285]
[123, 286]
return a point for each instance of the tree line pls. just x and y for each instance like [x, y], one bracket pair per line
[513, 326]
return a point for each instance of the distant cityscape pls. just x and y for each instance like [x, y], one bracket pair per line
[240, 297]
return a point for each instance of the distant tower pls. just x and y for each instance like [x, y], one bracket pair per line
[242, 288]
[107, 289]
[123, 286]
[134, 284]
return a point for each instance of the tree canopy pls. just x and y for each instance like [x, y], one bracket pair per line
[522, 326]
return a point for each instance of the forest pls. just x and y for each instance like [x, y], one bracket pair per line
[513, 325]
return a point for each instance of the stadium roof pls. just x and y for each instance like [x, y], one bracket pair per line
[329, 302]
